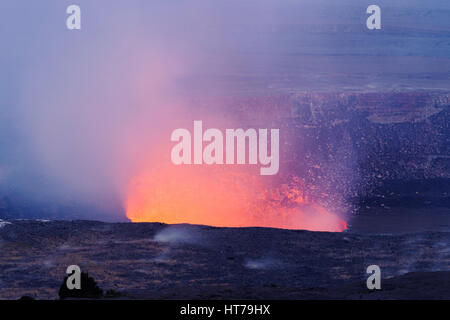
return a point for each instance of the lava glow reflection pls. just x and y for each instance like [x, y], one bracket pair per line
[223, 197]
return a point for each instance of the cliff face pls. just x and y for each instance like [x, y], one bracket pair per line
[393, 135]
[358, 145]
[390, 137]
[382, 107]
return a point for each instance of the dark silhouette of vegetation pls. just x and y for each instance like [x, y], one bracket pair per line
[111, 293]
[89, 289]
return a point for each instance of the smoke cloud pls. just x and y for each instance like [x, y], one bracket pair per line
[82, 112]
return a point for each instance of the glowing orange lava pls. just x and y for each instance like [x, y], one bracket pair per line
[223, 196]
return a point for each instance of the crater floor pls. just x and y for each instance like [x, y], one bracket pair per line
[157, 261]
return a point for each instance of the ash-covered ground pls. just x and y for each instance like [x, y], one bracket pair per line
[157, 261]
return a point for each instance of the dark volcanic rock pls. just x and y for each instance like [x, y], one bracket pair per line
[182, 261]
